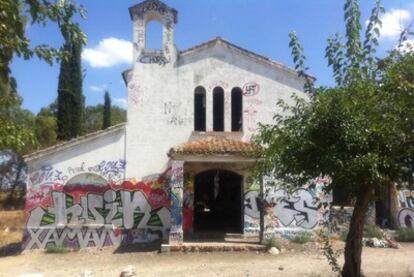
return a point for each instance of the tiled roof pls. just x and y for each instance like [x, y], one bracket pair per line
[214, 146]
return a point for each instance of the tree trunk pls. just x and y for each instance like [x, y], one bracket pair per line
[353, 245]
[261, 196]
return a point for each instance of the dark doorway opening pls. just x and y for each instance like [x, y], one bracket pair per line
[218, 202]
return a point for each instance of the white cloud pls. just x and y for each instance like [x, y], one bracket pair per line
[109, 52]
[393, 23]
[120, 102]
[98, 88]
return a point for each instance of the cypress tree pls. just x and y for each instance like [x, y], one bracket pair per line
[65, 99]
[70, 102]
[106, 111]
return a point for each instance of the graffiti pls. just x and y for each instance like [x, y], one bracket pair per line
[176, 185]
[406, 198]
[47, 174]
[91, 214]
[40, 238]
[251, 89]
[305, 208]
[406, 218]
[141, 236]
[155, 58]
[251, 112]
[252, 204]
[178, 120]
[154, 6]
[113, 171]
[135, 93]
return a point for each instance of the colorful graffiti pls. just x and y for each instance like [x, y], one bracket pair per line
[78, 216]
[406, 214]
[304, 208]
[188, 208]
[176, 186]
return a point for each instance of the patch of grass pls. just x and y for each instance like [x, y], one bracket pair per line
[272, 242]
[404, 235]
[302, 238]
[372, 231]
[56, 250]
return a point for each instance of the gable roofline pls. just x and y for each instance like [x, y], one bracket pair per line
[138, 9]
[219, 40]
[73, 142]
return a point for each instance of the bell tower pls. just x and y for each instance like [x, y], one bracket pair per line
[141, 15]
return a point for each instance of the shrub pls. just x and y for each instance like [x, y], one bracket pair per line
[56, 250]
[372, 231]
[343, 234]
[272, 242]
[302, 237]
[405, 235]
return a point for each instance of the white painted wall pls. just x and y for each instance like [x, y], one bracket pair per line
[60, 166]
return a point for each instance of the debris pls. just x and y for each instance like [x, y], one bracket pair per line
[273, 251]
[281, 268]
[129, 271]
[386, 242]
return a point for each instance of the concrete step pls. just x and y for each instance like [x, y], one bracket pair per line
[216, 247]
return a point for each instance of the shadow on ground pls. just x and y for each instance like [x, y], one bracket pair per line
[11, 249]
[139, 247]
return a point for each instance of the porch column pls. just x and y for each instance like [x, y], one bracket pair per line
[177, 186]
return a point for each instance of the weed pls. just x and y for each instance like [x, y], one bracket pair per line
[343, 234]
[56, 250]
[272, 242]
[330, 254]
[405, 235]
[302, 237]
[372, 231]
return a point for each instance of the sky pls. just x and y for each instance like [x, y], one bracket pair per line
[261, 26]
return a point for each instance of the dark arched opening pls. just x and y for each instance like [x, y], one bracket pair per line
[236, 110]
[218, 109]
[218, 201]
[199, 109]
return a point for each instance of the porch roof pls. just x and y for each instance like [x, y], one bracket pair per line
[213, 146]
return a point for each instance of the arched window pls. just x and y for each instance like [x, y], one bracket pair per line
[236, 110]
[199, 109]
[218, 109]
[153, 35]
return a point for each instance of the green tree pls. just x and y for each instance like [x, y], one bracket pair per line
[14, 16]
[45, 127]
[358, 133]
[94, 117]
[106, 111]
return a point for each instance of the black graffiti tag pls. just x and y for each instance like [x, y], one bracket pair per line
[153, 59]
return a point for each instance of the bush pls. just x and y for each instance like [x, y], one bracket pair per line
[372, 231]
[56, 250]
[405, 235]
[272, 242]
[302, 238]
[343, 234]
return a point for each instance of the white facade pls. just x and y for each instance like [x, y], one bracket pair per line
[122, 185]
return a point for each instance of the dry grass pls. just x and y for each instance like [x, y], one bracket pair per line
[11, 227]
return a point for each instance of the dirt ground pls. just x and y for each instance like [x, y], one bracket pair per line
[376, 262]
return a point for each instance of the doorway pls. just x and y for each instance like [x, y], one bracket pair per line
[218, 202]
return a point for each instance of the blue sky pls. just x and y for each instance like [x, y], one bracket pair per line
[261, 26]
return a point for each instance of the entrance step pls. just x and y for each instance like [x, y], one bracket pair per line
[219, 237]
[216, 247]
